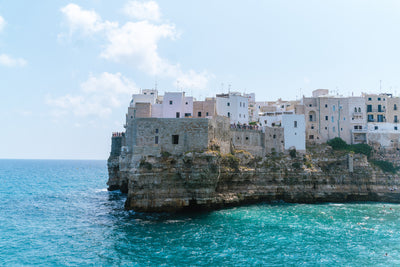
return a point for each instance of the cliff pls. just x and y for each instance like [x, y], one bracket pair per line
[211, 180]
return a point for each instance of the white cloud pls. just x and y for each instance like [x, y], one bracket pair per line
[136, 43]
[86, 21]
[2, 23]
[9, 61]
[143, 10]
[98, 97]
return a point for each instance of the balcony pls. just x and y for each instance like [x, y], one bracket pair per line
[376, 110]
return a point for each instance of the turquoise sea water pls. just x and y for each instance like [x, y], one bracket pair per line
[59, 213]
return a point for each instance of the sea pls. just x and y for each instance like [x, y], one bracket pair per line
[59, 213]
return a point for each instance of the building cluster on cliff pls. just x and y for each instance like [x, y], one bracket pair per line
[176, 123]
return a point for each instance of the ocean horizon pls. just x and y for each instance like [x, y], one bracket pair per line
[59, 212]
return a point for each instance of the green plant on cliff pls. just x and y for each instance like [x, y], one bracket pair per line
[144, 164]
[230, 161]
[385, 166]
[296, 165]
[292, 153]
[338, 143]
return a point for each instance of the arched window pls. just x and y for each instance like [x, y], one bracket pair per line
[355, 109]
[359, 109]
[395, 107]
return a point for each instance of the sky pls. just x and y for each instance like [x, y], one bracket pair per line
[68, 69]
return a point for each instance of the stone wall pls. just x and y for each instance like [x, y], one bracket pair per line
[249, 140]
[274, 140]
[175, 136]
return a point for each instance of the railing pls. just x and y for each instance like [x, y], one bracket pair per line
[246, 127]
[376, 110]
[118, 134]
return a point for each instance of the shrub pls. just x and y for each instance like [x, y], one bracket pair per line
[165, 154]
[337, 143]
[231, 161]
[296, 165]
[361, 149]
[385, 166]
[292, 153]
[145, 164]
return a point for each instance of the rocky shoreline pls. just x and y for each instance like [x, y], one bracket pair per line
[211, 180]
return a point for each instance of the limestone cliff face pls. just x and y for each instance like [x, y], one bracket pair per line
[210, 180]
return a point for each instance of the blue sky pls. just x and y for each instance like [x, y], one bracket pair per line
[67, 69]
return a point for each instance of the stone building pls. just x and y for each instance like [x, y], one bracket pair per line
[330, 116]
[204, 109]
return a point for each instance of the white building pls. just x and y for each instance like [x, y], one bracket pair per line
[177, 105]
[233, 105]
[294, 132]
[146, 96]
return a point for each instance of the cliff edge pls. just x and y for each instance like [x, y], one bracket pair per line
[211, 180]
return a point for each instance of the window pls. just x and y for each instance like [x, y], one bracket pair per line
[186, 103]
[380, 118]
[369, 108]
[344, 118]
[156, 140]
[326, 105]
[247, 138]
[395, 119]
[187, 115]
[274, 136]
[332, 119]
[355, 109]
[376, 127]
[311, 117]
[156, 130]
[359, 110]
[175, 139]
[355, 127]
[199, 114]
[228, 104]
[395, 128]
[311, 137]
[326, 128]
[178, 114]
[229, 114]
[379, 108]
[170, 102]
[379, 99]
[240, 104]
[370, 118]
[333, 129]
[369, 99]
[312, 126]
[206, 113]
[326, 118]
[295, 124]
[310, 105]
[395, 107]
[333, 107]
[341, 129]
